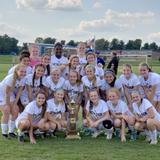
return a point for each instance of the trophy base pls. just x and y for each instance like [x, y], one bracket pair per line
[73, 137]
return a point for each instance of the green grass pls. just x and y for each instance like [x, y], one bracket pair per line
[87, 148]
[84, 149]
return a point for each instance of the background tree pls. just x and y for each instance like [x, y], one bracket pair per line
[39, 40]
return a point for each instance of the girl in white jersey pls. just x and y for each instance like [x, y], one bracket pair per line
[55, 112]
[119, 111]
[73, 89]
[91, 59]
[150, 82]
[54, 81]
[97, 115]
[75, 65]
[110, 81]
[32, 118]
[11, 88]
[147, 118]
[46, 60]
[35, 81]
[81, 53]
[25, 60]
[90, 81]
[129, 82]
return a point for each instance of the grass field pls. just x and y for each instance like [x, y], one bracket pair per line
[84, 149]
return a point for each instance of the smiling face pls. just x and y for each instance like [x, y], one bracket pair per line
[81, 49]
[40, 99]
[109, 78]
[75, 62]
[90, 58]
[127, 71]
[34, 51]
[73, 77]
[59, 95]
[136, 98]
[21, 72]
[46, 60]
[113, 97]
[144, 71]
[25, 61]
[39, 71]
[89, 72]
[93, 96]
[55, 74]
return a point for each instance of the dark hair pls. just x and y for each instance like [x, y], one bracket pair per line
[23, 56]
[58, 44]
[110, 71]
[145, 65]
[34, 75]
[26, 52]
[44, 106]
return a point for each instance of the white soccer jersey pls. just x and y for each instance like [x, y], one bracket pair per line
[30, 109]
[120, 108]
[53, 86]
[54, 109]
[82, 61]
[37, 83]
[57, 62]
[97, 112]
[132, 82]
[89, 84]
[28, 70]
[153, 79]
[99, 72]
[106, 86]
[142, 109]
[7, 81]
[73, 90]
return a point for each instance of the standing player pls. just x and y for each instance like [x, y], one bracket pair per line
[129, 82]
[11, 88]
[150, 82]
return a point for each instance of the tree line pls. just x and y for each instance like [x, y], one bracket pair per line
[9, 45]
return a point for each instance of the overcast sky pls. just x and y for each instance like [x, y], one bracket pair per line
[81, 19]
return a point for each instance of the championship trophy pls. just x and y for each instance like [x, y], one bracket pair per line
[72, 118]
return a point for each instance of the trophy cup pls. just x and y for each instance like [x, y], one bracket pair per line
[72, 118]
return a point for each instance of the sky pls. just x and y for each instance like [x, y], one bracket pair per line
[81, 20]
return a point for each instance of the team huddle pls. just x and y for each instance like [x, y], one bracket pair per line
[36, 92]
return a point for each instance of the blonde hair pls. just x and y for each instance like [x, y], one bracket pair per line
[128, 66]
[59, 90]
[89, 66]
[114, 90]
[15, 74]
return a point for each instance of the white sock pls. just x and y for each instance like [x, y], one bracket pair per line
[151, 135]
[4, 128]
[11, 126]
[154, 135]
[20, 133]
[147, 133]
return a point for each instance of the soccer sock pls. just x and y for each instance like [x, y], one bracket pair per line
[147, 133]
[154, 135]
[4, 128]
[11, 126]
[20, 133]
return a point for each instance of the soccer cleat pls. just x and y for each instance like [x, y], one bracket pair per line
[21, 139]
[153, 142]
[109, 133]
[5, 136]
[96, 134]
[12, 135]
